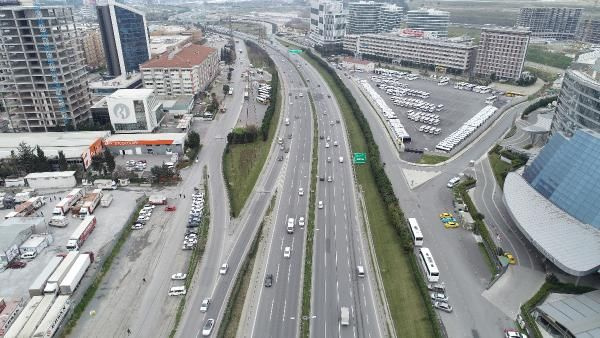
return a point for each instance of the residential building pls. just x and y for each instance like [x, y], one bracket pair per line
[43, 81]
[456, 55]
[91, 40]
[558, 23]
[578, 104]
[391, 18]
[327, 24]
[134, 110]
[372, 17]
[124, 37]
[429, 20]
[589, 31]
[185, 71]
[501, 52]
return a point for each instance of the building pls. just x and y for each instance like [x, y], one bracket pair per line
[558, 23]
[327, 24]
[578, 104]
[124, 37]
[187, 71]
[78, 147]
[355, 64]
[178, 105]
[93, 51]
[589, 31]
[167, 43]
[52, 179]
[429, 20]
[14, 232]
[567, 315]
[138, 144]
[456, 56]
[104, 88]
[501, 52]
[391, 17]
[134, 110]
[372, 17]
[42, 72]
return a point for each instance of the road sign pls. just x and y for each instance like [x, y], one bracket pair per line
[295, 51]
[359, 158]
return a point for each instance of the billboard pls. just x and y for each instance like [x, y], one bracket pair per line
[121, 111]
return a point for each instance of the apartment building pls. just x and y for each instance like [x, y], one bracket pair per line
[366, 17]
[391, 17]
[43, 81]
[327, 24]
[186, 71]
[502, 52]
[91, 40]
[589, 31]
[558, 23]
[429, 20]
[456, 55]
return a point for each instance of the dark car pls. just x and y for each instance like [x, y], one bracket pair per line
[16, 264]
[269, 280]
[280, 158]
[321, 178]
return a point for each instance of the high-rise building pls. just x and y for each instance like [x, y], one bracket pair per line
[589, 31]
[429, 20]
[372, 17]
[124, 37]
[93, 52]
[43, 81]
[502, 52]
[327, 24]
[558, 23]
[391, 17]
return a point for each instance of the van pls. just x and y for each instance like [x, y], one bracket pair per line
[177, 291]
[360, 271]
[290, 225]
[453, 181]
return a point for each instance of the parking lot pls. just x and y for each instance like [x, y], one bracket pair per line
[458, 107]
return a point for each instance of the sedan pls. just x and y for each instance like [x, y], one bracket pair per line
[510, 257]
[269, 280]
[287, 252]
[450, 225]
[439, 297]
[301, 221]
[179, 276]
[445, 215]
[326, 144]
[442, 306]
[137, 226]
[320, 204]
[223, 269]
[329, 179]
[300, 191]
[208, 327]
[448, 219]
[205, 304]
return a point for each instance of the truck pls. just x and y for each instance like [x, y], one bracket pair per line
[54, 317]
[37, 287]
[57, 276]
[28, 207]
[345, 316]
[105, 184]
[90, 202]
[157, 199]
[37, 316]
[106, 200]
[58, 221]
[82, 232]
[73, 277]
[65, 204]
[23, 317]
[23, 196]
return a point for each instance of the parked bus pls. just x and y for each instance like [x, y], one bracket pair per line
[415, 231]
[431, 270]
[491, 99]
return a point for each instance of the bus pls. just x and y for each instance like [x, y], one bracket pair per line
[415, 230]
[491, 99]
[431, 270]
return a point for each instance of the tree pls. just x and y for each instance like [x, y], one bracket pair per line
[26, 159]
[229, 76]
[225, 89]
[193, 140]
[109, 159]
[493, 76]
[62, 161]
[41, 161]
[97, 163]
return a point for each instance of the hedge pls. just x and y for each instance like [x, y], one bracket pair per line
[540, 103]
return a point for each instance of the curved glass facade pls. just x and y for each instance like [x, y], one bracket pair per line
[578, 104]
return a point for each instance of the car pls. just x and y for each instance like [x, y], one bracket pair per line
[300, 191]
[170, 208]
[29, 255]
[224, 268]
[437, 287]
[511, 258]
[143, 218]
[442, 306]
[301, 221]
[341, 159]
[269, 280]
[329, 179]
[290, 136]
[178, 276]
[137, 226]
[287, 150]
[204, 305]
[320, 204]
[287, 252]
[328, 159]
[335, 143]
[149, 206]
[321, 178]
[208, 327]
[15, 264]
[448, 219]
[320, 137]
[450, 225]
[326, 144]
[328, 138]
[280, 158]
[177, 291]
[445, 215]
[438, 297]
[512, 333]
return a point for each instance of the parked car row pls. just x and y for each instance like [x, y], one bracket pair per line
[399, 131]
[196, 213]
[428, 118]
[439, 297]
[472, 87]
[416, 104]
[132, 165]
[430, 129]
[143, 217]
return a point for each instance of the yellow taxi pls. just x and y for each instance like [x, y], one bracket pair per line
[510, 257]
[445, 215]
[450, 225]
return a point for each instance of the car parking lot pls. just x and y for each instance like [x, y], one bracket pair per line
[142, 164]
[429, 112]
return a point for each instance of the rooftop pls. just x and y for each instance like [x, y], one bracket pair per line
[505, 29]
[122, 81]
[50, 174]
[130, 94]
[580, 314]
[188, 57]
[161, 43]
[568, 243]
[73, 143]
[180, 102]
[158, 138]
[13, 226]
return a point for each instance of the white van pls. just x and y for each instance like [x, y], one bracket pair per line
[453, 181]
[290, 225]
[360, 271]
[177, 291]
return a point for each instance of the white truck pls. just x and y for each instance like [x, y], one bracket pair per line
[58, 221]
[73, 277]
[38, 285]
[81, 234]
[90, 202]
[106, 200]
[105, 184]
[345, 316]
[63, 207]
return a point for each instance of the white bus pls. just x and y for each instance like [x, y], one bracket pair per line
[491, 99]
[415, 230]
[431, 270]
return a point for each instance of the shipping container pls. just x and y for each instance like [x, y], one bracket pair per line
[106, 200]
[82, 232]
[73, 277]
[63, 207]
[54, 317]
[23, 317]
[60, 272]
[157, 199]
[37, 316]
[37, 287]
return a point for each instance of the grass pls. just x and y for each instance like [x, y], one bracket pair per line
[540, 54]
[511, 132]
[460, 31]
[500, 168]
[257, 59]
[548, 77]
[432, 159]
[249, 28]
[406, 303]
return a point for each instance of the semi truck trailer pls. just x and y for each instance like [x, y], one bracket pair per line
[90, 202]
[63, 207]
[82, 232]
[73, 277]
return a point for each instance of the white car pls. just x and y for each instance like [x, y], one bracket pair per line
[179, 276]
[300, 191]
[320, 204]
[329, 179]
[301, 221]
[29, 255]
[335, 143]
[207, 328]
[223, 269]
[287, 252]
[341, 159]
[326, 144]
[137, 226]
[328, 138]
[205, 304]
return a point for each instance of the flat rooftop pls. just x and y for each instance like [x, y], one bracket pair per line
[51, 174]
[160, 43]
[130, 94]
[133, 139]
[122, 81]
[580, 314]
[73, 143]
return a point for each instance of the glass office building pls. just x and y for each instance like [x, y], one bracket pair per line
[124, 37]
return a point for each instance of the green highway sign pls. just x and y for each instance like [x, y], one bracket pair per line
[295, 51]
[359, 158]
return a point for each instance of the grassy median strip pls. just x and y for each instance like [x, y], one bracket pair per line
[432, 159]
[91, 290]
[196, 253]
[406, 293]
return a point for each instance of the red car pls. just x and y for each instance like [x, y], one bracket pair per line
[170, 208]
[16, 264]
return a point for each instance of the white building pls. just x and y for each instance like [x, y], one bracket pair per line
[502, 52]
[429, 20]
[52, 179]
[134, 110]
[327, 24]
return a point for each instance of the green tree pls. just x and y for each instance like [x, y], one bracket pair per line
[193, 140]
[62, 161]
[97, 163]
[41, 161]
[109, 159]
[225, 89]
[26, 159]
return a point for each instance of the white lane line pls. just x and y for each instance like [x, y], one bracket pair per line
[284, 308]
[271, 313]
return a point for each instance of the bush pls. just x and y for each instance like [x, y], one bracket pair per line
[248, 134]
[540, 103]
